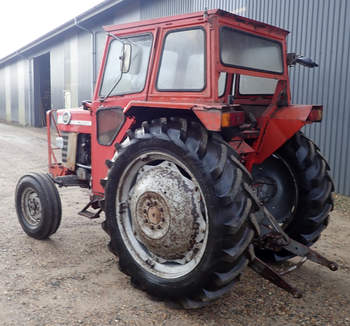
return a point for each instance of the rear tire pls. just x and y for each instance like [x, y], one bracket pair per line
[193, 162]
[38, 205]
[314, 187]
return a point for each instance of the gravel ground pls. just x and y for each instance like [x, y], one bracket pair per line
[72, 279]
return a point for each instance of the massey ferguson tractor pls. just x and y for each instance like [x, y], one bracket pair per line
[193, 151]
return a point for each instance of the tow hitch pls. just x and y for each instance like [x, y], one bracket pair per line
[272, 237]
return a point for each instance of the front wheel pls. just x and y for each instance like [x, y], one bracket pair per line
[177, 212]
[38, 205]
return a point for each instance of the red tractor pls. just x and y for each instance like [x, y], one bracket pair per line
[192, 149]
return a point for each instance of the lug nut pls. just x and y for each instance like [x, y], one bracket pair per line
[145, 220]
[161, 209]
[159, 227]
[145, 211]
[150, 262]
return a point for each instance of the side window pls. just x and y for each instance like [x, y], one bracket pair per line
[182, 65]
[222, 83]
[109, 121]
[134, 80]
[251, 85]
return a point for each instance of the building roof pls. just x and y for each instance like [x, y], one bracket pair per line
[218, 12]
[84, 17]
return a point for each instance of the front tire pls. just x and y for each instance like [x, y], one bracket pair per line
[38, 205]
[177, 212]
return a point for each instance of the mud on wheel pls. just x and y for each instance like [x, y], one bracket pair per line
[303, 203]
[177, 212]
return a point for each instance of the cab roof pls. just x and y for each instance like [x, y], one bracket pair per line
[201, 16]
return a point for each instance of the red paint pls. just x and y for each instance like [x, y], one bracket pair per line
[278, 121]
[240, 146]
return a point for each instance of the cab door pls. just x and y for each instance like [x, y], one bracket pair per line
[123, 78]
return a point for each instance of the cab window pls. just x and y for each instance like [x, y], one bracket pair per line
[222, 83]
[182, 66]
[251, 85]
[244, 50]
[134, 80]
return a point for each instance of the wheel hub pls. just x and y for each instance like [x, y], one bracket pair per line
[275, 186]
[31, 207]
[152, 214]
[165, 212]
[266, 188]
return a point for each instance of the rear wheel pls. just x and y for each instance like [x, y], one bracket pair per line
[177, 212]
[38, 205]
[303, 199]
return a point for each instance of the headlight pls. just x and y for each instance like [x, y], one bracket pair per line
[66, 117]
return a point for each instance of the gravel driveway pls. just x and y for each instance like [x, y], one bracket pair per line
[72, 279]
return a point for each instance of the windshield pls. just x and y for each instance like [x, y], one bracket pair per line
[244, 50]
[134, 80]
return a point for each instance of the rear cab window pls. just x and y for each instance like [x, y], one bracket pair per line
[244, 50]
[247, 51]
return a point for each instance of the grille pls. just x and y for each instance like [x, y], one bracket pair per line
[65, 147]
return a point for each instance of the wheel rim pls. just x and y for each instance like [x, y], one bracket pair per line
[162, 215]
[276, 187]
[31, 207]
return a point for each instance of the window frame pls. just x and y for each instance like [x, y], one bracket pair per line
[205, 62]
[256, 36]
[107, 56]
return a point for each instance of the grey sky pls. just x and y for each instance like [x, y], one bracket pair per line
[22, 21]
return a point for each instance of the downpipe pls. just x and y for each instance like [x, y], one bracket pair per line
[93, 54]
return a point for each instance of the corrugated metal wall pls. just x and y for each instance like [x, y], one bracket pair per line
[160, 8]
[2, 95]
[70, 68]
[319, 29]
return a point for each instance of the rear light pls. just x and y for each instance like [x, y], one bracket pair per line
[232, 119]
[315, 114]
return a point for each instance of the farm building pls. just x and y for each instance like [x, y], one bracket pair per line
[60, 68]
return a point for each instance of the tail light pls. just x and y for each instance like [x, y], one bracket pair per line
[316, 114]
[232, 119]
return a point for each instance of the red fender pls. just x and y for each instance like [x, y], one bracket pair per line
[282, 125]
